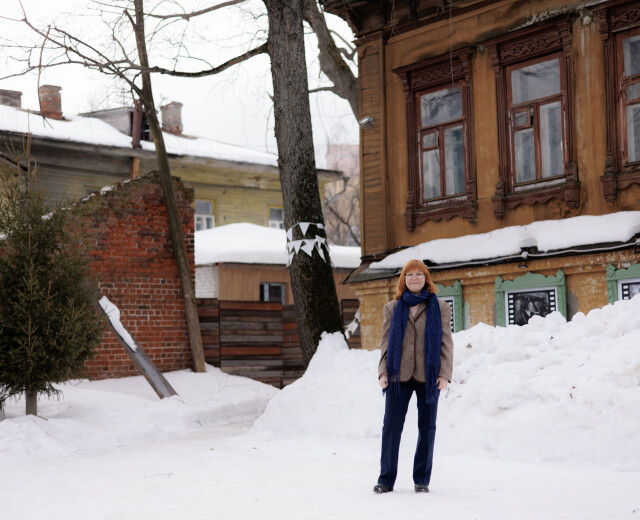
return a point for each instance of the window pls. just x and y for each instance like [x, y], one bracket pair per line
[535, 114]
[623, 284]
[272, 292]
[204, 218]
[441, 138]
[452, 294]
[439, 130]
[276, 218]
[630, 88]
[620, 31]
[537, 159]
[518, 300]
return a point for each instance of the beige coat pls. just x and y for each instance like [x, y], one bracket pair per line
[412, 364]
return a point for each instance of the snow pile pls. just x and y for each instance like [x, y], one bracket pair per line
[338, 395]
[251, 244]
[103, 414]
[546, 235]
[549, 390]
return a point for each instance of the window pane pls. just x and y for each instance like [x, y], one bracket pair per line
[199, 223]
[551, 139]
[633, 91]
[431, 174]
[522, 119]
[525, 155]
[441, 106]
[204, 207]
[275, 292]
[535, 81]
[276, 214]
[631, 49]
[429, 140]
[633, 132]
[454, 160]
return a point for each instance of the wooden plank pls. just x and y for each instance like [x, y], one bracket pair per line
[252, 364]
[252, 325]
[247, 351]
[249, 305]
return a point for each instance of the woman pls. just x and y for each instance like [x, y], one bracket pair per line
[416, 356]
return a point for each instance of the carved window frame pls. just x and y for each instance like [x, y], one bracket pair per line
[518, 49]
[417, 79]
[616, 23]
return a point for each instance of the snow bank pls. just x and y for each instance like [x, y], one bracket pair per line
[549, 390]
[546, 235]
[251, 244]
[338, 395]
[103, 414]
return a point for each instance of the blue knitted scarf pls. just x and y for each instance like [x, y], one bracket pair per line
[432, 340]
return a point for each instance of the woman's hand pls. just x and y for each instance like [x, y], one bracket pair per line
[442, 383]
[383, 381]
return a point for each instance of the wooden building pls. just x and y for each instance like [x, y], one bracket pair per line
[492, 114]
[78, 155]
[248, 262]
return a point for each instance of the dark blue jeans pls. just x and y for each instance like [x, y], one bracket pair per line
[394, 414]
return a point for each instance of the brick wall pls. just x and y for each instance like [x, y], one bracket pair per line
[132, 260]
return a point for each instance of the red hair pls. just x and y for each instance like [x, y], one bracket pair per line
[413, 265]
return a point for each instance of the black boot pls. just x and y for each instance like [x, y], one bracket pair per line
[421, 488]
[382, 488]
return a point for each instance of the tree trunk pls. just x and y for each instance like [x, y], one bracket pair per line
[175, 223]
[312, 282]
[32, 402]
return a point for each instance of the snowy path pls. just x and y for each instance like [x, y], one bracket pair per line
[224, 473]
[541, 422]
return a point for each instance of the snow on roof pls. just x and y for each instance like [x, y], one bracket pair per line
[75, 128]
[546, 235]
[251, 244]
[203, 147]
[91, 130]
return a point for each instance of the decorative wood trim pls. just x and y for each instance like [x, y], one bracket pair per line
[613, 20]
[427, 74]
[511, 49]
[454, 291]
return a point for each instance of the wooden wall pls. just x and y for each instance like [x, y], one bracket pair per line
[242, 281]
[585, 277]
[384, 146]
[256, 339]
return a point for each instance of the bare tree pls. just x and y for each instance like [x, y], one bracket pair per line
[312, 278]
[119, 61]
[334, 60]
[342, 202]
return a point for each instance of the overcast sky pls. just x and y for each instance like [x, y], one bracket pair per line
[233, 107]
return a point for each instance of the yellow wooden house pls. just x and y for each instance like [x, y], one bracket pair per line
[481, 116]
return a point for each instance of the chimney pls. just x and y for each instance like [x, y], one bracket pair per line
[50, 103]
[172, 118]
[11, 98]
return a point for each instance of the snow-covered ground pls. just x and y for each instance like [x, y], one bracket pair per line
[540, 422]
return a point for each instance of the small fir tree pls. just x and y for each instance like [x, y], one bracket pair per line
[49, 324]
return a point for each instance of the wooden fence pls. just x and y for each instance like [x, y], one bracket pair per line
[257, 339]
